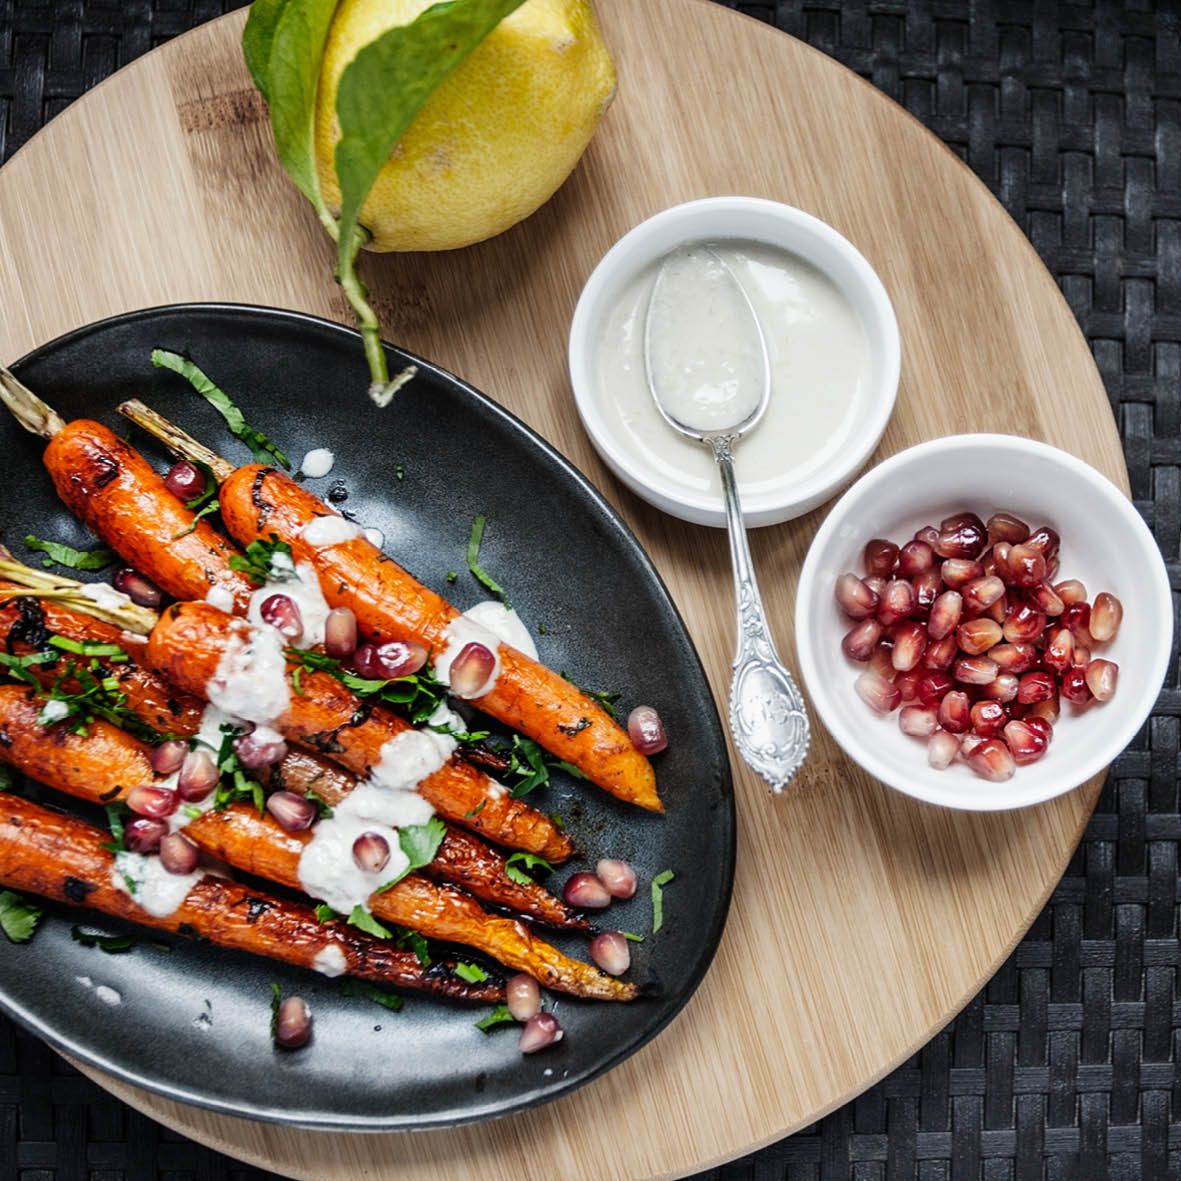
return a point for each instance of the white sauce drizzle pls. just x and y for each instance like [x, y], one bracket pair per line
[53, 711]
[108, 995]
[489, 623]
[505, 624]
[317, 463]
[156, 890]
[322, 532]
[300, 584]
[375, 537]
[222, 598]
[251, 678]
[330, 960]
[105, 595]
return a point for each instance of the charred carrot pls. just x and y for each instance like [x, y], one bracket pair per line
[60, 857]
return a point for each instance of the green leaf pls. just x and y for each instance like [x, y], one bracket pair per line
[420, 843]
[658, 883]
[416, 943]
[111, 944]
[258, 39]
[86, 647]
[472, 973]
[475, 538]
[263, 450]
[632, 937]
[257, 562]
[529, 861]
[364, 921]
[18, 666]
[325, 913]
[115, 814]
[276, 1001]
[18, 918]
[66, 555]
[387, 1000]
[499, 1016]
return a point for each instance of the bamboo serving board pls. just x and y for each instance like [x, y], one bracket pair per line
[862, 920]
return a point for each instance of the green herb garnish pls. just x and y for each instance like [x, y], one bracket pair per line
[417, 696]
[364, 921]
[371, 992]
[203, 504]
[276, 1001]
[411, 940]
[259, 563]
[472, 973]
[473, 560]
[632, 937]
[65, 555]
[18, 666]
[658, 883]
[528, 861]
[18, 917]
[323, 811]
[234, 784]
[325, 913]
[420, 843]
[89, 648]
[111, 944]
[499, 1016]
[115, 814]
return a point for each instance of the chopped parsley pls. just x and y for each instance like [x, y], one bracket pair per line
[323, 811]
[528, 861]
[411, 940]
[115, 814]
[18, 917]
[603, 698]
[325, 913]
[473, 560]
[262, 562]
[276, 1001]
[472, 973]
[499, 1016]
[111, 944]
[204, 503]
[57, 554]
[399, 471]
[658, 883]
[18, 666]
[476, 810]
[90, 648]
[528, 766]
[364, 921]
[417, 695]
[452, 575]
[420, 843]
[632, 937]
[234, 784]
[371, 992]
[263, 450]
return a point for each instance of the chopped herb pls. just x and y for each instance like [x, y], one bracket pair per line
[542, 630]
[632, 937]
[472, 973]
[7, 779]
[527, 765]
[18, 918]
[191, 811]
[529, 861]
[413, 941]
[297, 680]
[276, 1001]
[499, 1016]
[420, 843]
[604, 699]
[259, 562]
[399, 471]
[558, 822]
[57, 554]
[325, 913]
[323, 811]
[111, 944]
[361, 988]
[452, 576]
[473, 560]
[234, 784]
[263, 450]
[364, 921]
[206, 510]
[476, 810]
[574, 728]
[417, 696]
[89, 648]
[658, 883]
[204, 503]
[463, 737]
[115, 814]
[18, 666]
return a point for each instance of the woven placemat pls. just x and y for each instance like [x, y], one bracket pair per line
[1066, 1065]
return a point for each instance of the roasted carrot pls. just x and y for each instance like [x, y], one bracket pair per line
[389, 603]
[186, 646]
[60, 857]
[257, 845]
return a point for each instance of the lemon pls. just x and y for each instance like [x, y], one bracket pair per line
[494, 142]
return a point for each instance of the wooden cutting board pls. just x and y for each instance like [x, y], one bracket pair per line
[862, 920]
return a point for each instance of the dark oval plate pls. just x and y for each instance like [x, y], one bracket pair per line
[193, 1021]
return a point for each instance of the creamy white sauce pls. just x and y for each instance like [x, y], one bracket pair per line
[53, 711]
[504, 623]
[408, 758]
[156, 890]
[330, 960]
[222, 598]
[251, 678]
[322, 532]
[317, 463]
[375, 537]
[460, 632]
[300, 584]
[105, 595]
[108, 995]
[820, 376]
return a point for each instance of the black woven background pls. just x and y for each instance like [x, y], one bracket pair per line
[1066, 1065]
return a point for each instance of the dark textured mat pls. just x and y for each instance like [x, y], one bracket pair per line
[1066, 1066]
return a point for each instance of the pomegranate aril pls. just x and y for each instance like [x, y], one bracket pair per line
[293, 1023]
[880, 556]
[957, 572]
[391, 660]
[152, 802]
[584, 890]
[184, 481]
[940, 654]
[968, 743]
[1044, 540]
[1026, 565]
[1071, 591]
[955, 712]
[898, 603]
[471, 670]
[919, 721]
[522, 996]
[169, 756]
[1107, 613]
[1049, 711]
[1003, 689]
[945, 615]
[371, 852]
[876, 584]
[1000, 562]
[1040, 726]
[915, 558]
[961, 536]
[981, 593]
[998, 610]
[646, 730]
[1023, 624]
[282, 613]
[1026, 744]
[1006, 527]
[942, 749]
[142, 835]
[1013, 658]
[933, 688]
[988, 718]
[854, 598]
[1045, 598]
[907, 683]
[618, 877]
[910, 642]
[877, 692]
[1102, 677]
[881, 663]
[928, 534]
[1036, 686]
[340, 632]
[1074, 686]
[978, 635]
[198, 776]
[178, 854]
[927, 588]
[611, 952]
[540, 1031]
[293, 813]
[1077, 617]
[140, 590]
[974, 670]
[260, 748]
[1081, 656]
[992, 760]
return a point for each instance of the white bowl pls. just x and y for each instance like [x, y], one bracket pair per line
[1105, 544]
[717, 219]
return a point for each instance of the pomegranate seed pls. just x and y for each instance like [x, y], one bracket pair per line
[198, 776]
[981, 593]
[618, 877]
[1049, 710]
[1045, 541]
[1071, 591]
[898, 603]
[646, 730]
[523, 996]
[881, 662]
[915, 557]
[907, 683]
[877, 692]
[974, 670]
[942, 749]
[471, 670]
[1013, 658]
[1053, 565]
[1081, 656]
[540, 1031]
[340, 632]
[293, 1023]
[854, 598]
[391, 660]
[1077, 617]
[998, 610]
[969, 743]
[1074, 686]
[992, 760]
[958, 572]
[260, 748]
[184, 481]
[283, 614]
[928, 534]
[945, 614]
[978, 635]
[880, 556]
[1107, 614]
[1036, 686]
[876, 584]
[1102, 676]
[371, 852]
[1023, 624]
[178, 854]
[611, 952]
[585, 891]
[961, 536]
[910, 642]
[927, 588]
[940, 654]
[168, 756]
[137, 588]
[1027, 565]
[919, 721]
[1040, 726]
[861, 639]
[988, 717]
[1006, 527]
[1002, 567]
[1045, 598]
[1026, 743]
[933, 688]
[292, 812]
[153, 802]
[1003, 689]
[142, 835]
[955, 712]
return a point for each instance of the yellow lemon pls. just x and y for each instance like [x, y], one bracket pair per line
[493, 142]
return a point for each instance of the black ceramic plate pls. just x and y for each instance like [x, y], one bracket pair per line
[193, 1021]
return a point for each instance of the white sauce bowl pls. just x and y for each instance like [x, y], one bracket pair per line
[1105, 544]
[720, 219]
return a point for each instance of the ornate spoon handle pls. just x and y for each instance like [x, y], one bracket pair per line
[767, 715]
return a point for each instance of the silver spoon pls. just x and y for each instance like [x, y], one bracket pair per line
[716, 400]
